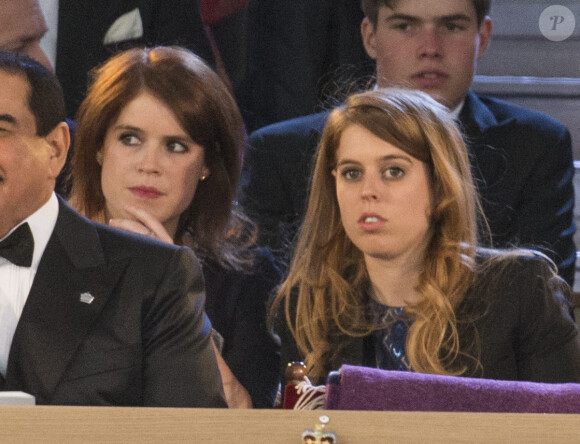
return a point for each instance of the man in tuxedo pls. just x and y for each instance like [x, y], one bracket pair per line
[89, 315]
[522, 160]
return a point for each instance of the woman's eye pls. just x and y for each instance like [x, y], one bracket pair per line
[177, 147]
[393, 172]
[351, 174]
[129, 139]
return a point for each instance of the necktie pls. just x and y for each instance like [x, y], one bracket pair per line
[18, 247]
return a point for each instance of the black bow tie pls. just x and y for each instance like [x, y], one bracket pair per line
[18, 247]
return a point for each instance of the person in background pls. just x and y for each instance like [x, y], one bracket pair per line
[114, 26]
[158, 151]
[388, 271]
[521, 159]
[22, 25]
[76, 48]
[89, 315]
[296, 54]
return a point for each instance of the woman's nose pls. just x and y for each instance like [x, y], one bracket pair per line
[149, 161]
[369, 189]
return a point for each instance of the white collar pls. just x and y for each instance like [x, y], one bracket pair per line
[457, 110]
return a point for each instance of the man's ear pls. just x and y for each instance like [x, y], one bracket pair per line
[59, 141]
[484, 36]
[367, 31]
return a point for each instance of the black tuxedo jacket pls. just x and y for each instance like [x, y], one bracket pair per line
[82, 25]
[144, 338]
[522, 165]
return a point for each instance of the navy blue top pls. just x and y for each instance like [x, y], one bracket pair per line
[390, 340]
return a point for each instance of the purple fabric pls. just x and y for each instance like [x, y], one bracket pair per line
[364, 388]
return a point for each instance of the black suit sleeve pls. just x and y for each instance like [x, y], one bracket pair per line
[526, 332]
[547, 343]
[179, 363]
[546, 212]
[523, 167]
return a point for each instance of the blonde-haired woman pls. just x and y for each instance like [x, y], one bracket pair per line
[387, 271]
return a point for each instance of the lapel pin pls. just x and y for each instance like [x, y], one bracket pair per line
[87, 298]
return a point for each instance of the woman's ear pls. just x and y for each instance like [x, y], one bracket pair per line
[205, 173]
[99, 157]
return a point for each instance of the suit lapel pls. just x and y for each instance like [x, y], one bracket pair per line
[478, 121]
[55, 320]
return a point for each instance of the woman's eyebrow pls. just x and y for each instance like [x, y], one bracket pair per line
[388, 157]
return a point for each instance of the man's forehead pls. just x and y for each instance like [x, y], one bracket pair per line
[14, 96]
[20, 21]
[429, 9]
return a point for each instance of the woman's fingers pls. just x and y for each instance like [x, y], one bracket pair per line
[145, 224]
[152, 223]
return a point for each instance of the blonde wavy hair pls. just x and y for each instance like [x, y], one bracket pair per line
[324, 296]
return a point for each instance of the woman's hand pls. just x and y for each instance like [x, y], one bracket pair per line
[144, 223]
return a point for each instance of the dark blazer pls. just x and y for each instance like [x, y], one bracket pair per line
[82, 25]
[142, 341]
[522, 166]
[236, 305]
[522, 322]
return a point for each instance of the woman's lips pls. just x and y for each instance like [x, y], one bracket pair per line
[371, 222]
[146, 192]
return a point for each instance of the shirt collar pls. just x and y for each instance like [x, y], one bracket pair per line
[41, 223]
[457, 110]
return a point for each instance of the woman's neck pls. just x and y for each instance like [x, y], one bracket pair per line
[393, 283]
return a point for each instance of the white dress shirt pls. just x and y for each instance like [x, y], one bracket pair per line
[15, 281]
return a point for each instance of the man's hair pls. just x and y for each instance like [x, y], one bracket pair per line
[371, 9]
[45, 100]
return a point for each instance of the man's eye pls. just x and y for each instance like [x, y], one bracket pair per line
[403, 26]
[454, 27]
